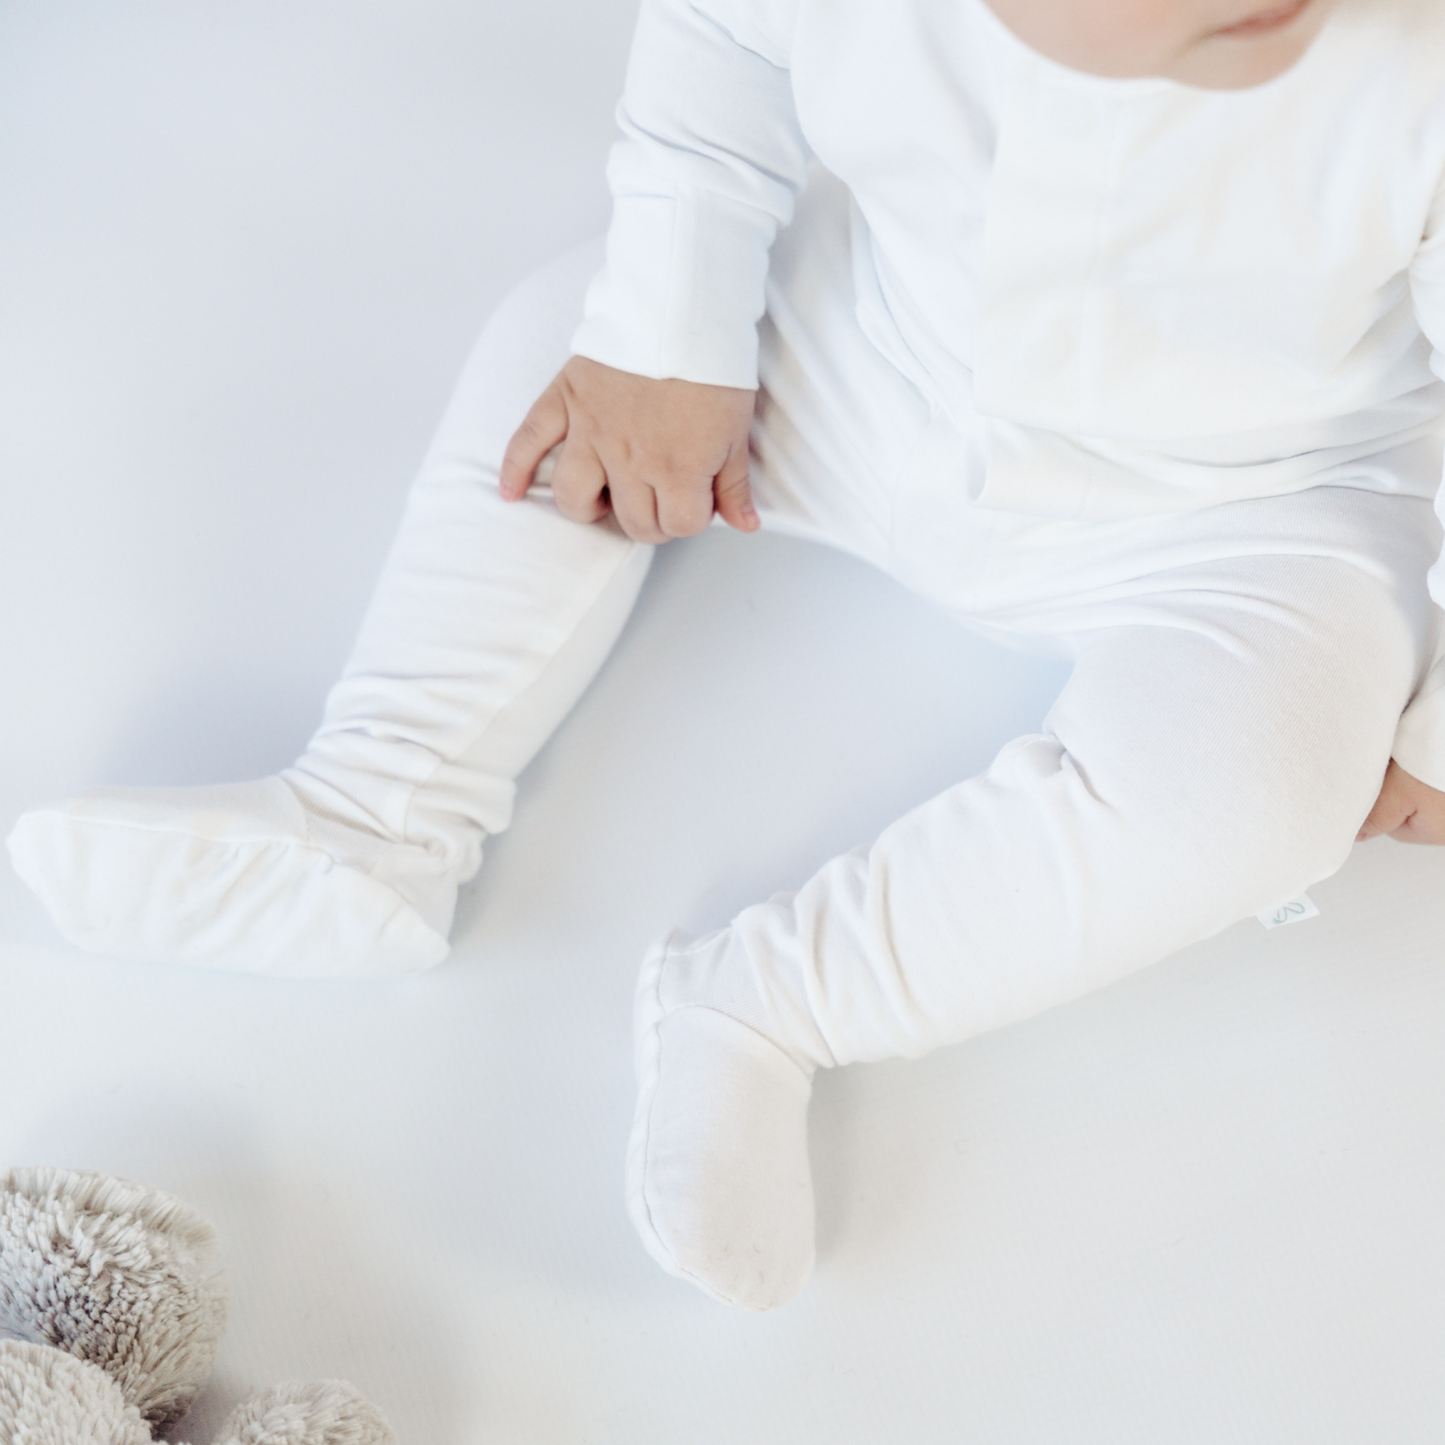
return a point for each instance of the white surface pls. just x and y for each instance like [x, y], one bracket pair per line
[243, 248]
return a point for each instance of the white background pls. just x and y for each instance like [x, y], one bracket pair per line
[243, 249]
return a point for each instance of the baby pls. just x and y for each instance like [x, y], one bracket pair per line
[1106, 324]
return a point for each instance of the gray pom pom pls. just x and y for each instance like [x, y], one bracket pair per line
[115, 1274]
[50, 1398]
[328, 1413]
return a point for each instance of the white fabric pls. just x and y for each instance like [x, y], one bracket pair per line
[491, 618]
[1239, 675]
[1207, 759]
[718, 1183]
[1131, 296]
[348, 865]
[239, 877]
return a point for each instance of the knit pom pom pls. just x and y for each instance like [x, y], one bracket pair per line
[116, 1274]
[327, 1413]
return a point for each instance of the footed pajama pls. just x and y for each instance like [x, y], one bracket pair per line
[1239, 674]
[349, 863]
[1040, 364]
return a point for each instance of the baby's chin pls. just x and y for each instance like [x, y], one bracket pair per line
[1240, 62]
[1208, 61]
[1225, 64]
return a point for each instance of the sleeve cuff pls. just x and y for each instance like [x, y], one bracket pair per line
[682, 289]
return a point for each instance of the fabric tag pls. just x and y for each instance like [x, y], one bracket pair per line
[1295, 911]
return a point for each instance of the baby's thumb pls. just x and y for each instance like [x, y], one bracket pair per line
[541, 431]
[733, 493]
[1393, 806]
[1387, 815]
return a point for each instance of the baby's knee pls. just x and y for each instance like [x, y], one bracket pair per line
[1305, 831]
[1177, 859]
[1261, 824]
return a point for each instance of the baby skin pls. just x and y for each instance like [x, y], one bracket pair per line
[1255, 704]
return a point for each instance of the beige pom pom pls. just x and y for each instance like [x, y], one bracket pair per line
[327, 1413]
[51, 1398]
[115, 1274]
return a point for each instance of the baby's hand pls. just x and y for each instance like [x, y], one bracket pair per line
[662, 456]
[1406, 809]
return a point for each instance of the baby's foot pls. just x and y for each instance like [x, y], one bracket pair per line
[241, 877]
[718, 1182]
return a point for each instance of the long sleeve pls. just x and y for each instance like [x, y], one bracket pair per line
[709, 165]
[1420, 739]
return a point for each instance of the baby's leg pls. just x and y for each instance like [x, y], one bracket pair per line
[488, 622]
[1209, 759]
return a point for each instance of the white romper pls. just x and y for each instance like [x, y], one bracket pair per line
[1132, 369]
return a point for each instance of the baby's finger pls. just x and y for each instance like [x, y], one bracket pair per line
[547, 467]
[1392, 809]
[579, 484]
[684, 509]
[734, 494]
[1384, 818]
[634, 504]
[542, 428]
[1420, 825]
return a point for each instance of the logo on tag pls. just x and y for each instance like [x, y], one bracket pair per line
[1295, 911]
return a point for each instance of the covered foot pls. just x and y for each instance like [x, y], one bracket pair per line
[240, 877]
[718, 1181]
